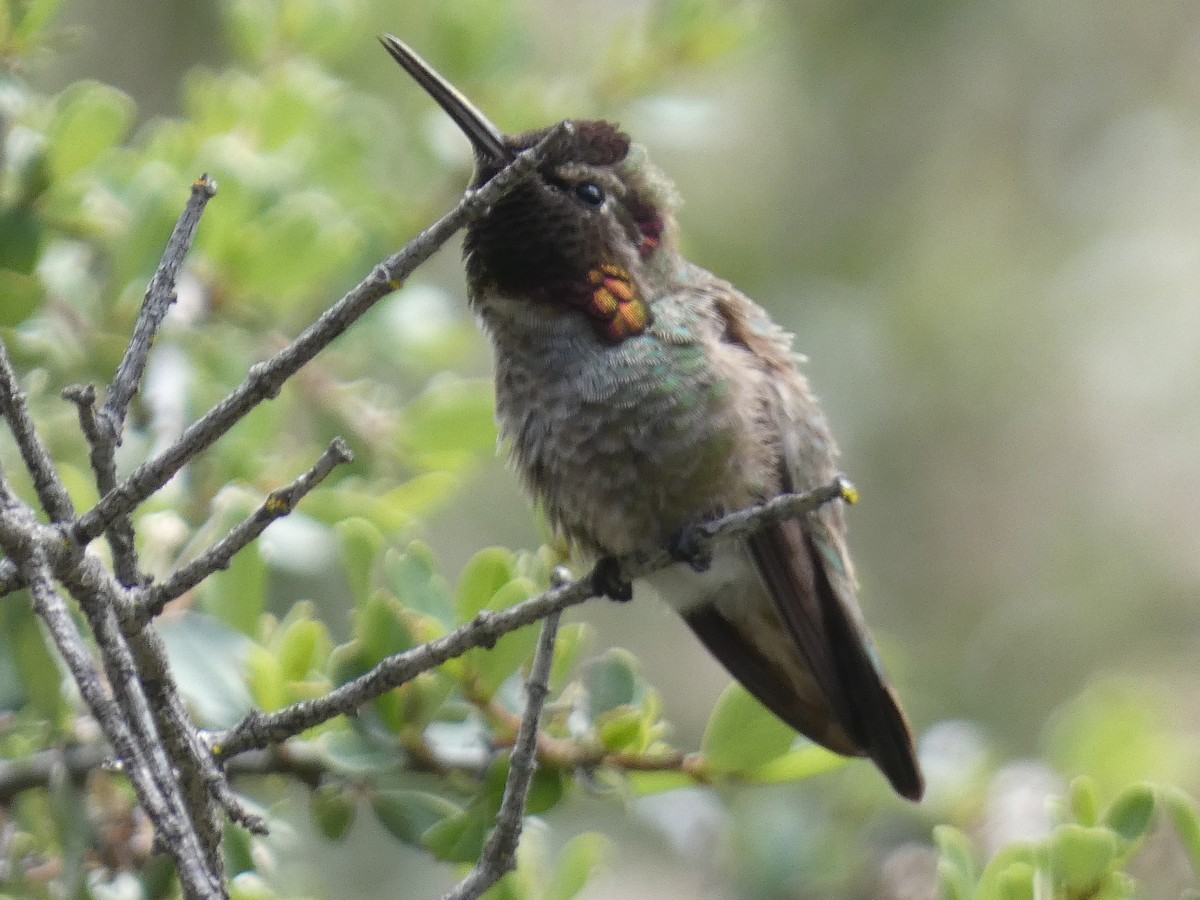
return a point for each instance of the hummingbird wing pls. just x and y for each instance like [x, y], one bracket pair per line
[819, 672]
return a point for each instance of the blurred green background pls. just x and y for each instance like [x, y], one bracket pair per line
[982, 222]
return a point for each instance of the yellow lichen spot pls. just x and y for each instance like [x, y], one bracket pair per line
[395, 283]
[276, 506]
[849, 491]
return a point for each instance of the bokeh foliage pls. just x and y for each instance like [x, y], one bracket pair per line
[325, 166]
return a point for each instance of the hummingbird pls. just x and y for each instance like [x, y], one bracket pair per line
[641, 395]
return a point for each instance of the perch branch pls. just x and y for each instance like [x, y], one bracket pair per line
[259, 730]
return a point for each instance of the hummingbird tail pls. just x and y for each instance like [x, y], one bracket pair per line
[827, 632]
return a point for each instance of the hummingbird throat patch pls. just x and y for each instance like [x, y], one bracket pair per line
[613, 303]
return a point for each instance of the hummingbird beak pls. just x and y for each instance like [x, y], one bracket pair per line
[486, 138]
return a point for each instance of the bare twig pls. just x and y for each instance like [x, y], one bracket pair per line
[500, 852]
[259, 730]
[101, 453]
[51, 493]
[159, 296]
[219, 555]
[104, 435]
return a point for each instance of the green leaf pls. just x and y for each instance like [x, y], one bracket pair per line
[741, 734]
[33, 17]
[20, 295]
[1009, 875]
[350, 753]
[620, 729]
[803, 762]
[1132, 813]
[267, 684]
[1015, 882]
[571, 638]
[611, 680]
[303, 647]
[1182, 809]
[486, 572]
[1080, 857]
[492, 667]
[1084, 804]
[348, 661]
[239, 850]
[413, 577]
[360, 543]
[237, 595]
[408, 815]
[451, 423]
[575, 866]
[209, 660]
[546, 790]
[250, 886]
[20, 248]
[89, 118]
[332, 809]
[458, 839]
[956, 862]
[382, 629]
[645, 783]
[29, 671]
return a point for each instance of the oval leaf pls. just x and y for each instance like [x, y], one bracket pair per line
[742, 735]
[1131, 814]
[332, 810]
[408, 815]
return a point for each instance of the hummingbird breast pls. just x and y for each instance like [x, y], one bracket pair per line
[626, 443]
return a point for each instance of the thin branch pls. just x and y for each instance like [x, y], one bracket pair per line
[500, 852]
[103, 431]
[51, 493]
[219, 555]
[101, 454]
[159, 296]
[38, 769]
[310, 764]
[259, 730]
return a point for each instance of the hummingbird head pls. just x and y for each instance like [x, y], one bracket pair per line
[591, 230]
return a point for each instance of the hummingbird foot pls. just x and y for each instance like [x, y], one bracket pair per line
[686, 547]
[609, 581]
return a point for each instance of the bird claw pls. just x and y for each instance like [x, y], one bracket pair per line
[609, 581]
[686, 547]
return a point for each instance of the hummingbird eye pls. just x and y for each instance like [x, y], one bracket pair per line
[589, 194]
